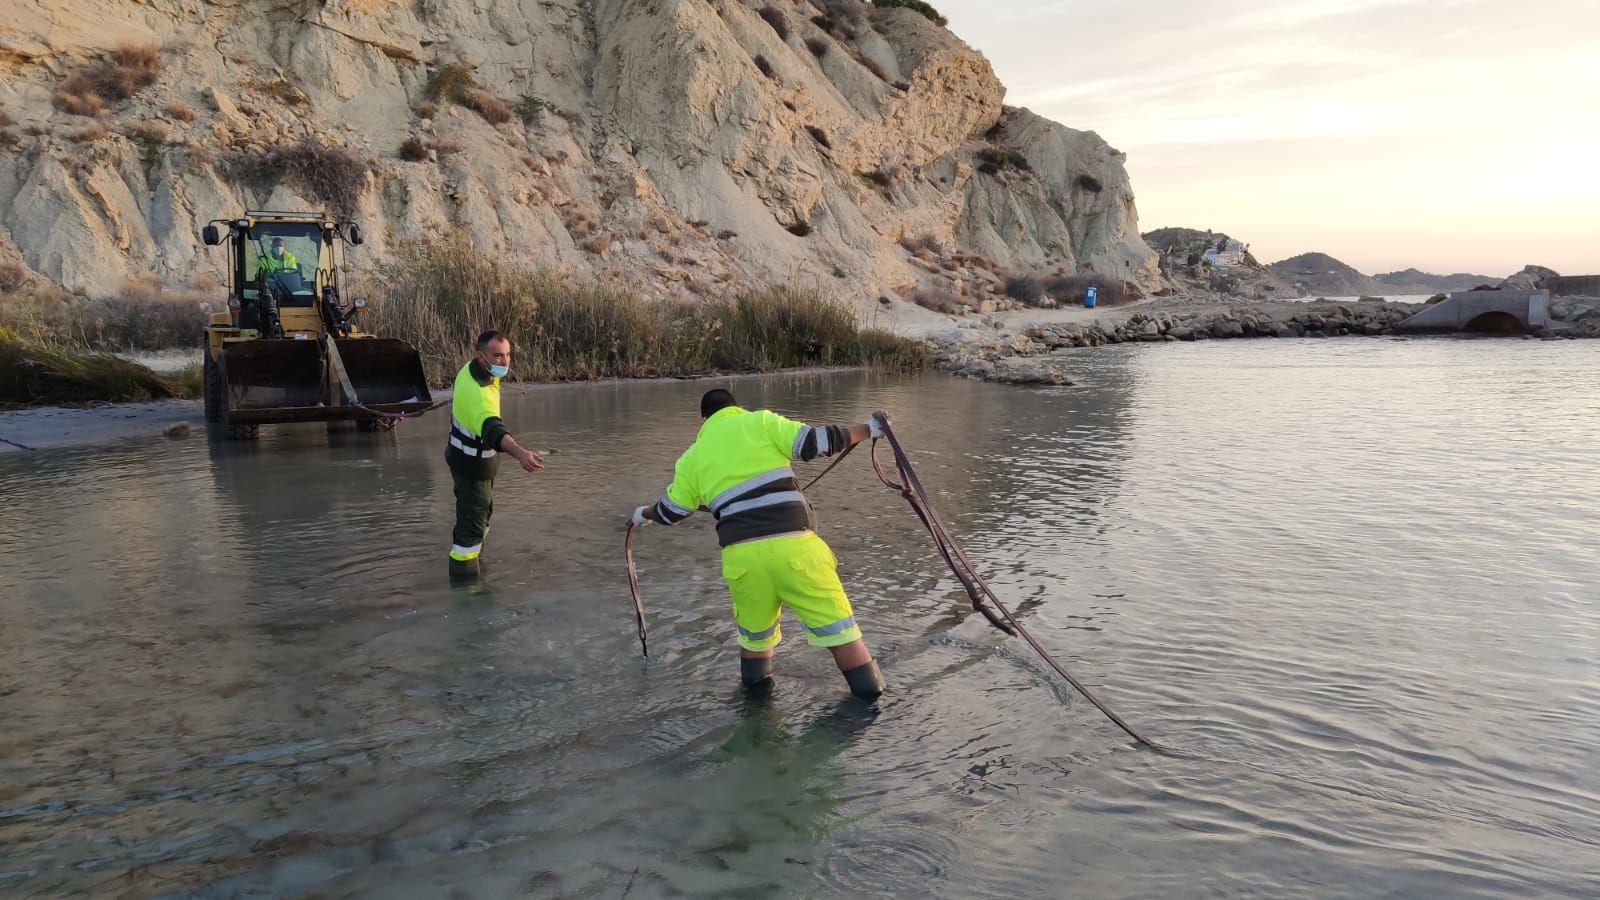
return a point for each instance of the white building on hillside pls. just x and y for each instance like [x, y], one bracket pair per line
[1232, 254]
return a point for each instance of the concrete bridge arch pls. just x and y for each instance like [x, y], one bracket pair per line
[1492, 312]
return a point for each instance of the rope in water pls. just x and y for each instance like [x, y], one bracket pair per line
[978, 590]
[910, 487]
[401, 416]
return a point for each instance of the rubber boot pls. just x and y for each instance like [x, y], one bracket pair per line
[463, 569]
[865, 681]
[757, 677]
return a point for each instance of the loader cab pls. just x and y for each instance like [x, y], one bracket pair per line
[278, 291]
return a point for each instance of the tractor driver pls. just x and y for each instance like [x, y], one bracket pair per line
[279, 260]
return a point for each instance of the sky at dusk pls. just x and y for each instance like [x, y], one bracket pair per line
[1451, 135]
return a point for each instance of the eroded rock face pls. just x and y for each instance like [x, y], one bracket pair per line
[684, 146]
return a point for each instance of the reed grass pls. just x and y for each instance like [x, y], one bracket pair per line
[440, 295]
[33, 374]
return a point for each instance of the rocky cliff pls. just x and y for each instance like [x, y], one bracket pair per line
[685, 145]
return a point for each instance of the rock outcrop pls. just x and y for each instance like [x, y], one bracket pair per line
[688, 146]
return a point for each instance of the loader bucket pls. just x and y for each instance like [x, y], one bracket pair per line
[272, 381]
[276, 380]
[385, 373]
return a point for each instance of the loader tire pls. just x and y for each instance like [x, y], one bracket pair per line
[213, 387]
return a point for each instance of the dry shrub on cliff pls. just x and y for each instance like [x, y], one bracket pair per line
[992, 160]
[441, 294]
[818, 135]
[13, 275]
[181, 111]
[126, 71]
[494, 110]
[86, 104]
[938, 301]
[93, 133]
[831, 26]
[598, 244]
[817, 46]
[6, 120]
[774, 17]
[284, 92]
[764, 67]
[149, 132]
[847, 11]
[1088, 183]
[413, 149]
[333, 174]
[882, 179]
[922, 242]
[872, 66]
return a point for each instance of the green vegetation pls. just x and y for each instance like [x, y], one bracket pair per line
[454, 83]
[41, 373]
[528, 107]
[927, 11]
[569, 328]
[451, 83]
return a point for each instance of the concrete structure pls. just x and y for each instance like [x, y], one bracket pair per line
[1232, 254]
[1484, 311]
[1574, 285]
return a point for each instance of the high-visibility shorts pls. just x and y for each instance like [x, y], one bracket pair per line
[798, 571]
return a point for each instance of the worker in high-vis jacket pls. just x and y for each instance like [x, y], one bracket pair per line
[772, 557]
[477, 439]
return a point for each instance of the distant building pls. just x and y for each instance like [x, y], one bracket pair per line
[1232, 254]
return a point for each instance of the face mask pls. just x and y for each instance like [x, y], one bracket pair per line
[277, 252]
[499, 371]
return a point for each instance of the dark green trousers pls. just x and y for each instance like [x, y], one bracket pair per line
[474, 485]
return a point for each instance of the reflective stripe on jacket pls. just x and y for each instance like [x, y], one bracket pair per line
[475, 426]
[738, 468]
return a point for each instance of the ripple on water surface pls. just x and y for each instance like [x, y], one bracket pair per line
[1350, 584]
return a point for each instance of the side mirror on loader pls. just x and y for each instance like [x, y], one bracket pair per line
[352, 234]
[211, 235]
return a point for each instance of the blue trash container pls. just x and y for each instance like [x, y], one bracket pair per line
[1088, 297]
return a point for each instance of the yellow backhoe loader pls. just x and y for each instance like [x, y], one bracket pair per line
[289, 348]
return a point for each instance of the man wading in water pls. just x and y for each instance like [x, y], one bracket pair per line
[477, 438]
[738, 467]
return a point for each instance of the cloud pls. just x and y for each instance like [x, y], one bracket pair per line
[1313, 114]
